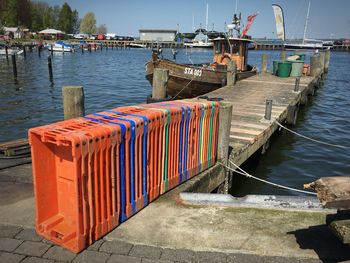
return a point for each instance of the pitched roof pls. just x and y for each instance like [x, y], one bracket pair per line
[51, 31]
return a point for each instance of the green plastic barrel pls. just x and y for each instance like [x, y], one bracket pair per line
[284, 69]
[297, 68]
[275, 66]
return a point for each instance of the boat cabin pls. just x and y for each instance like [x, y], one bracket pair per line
[231, 49]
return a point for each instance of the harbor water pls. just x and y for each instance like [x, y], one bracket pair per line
[117, 77]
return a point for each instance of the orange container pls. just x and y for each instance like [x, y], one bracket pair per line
[69, 211]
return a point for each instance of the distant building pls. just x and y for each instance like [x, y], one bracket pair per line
[50, 33]
[15, 32]
[161, 35]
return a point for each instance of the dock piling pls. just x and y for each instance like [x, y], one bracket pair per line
[49, 64]
[268, 109]
[327, 58]
[39, 51]
[314, 66]
[51, 51]
[7, 52]
[225, 117]
[160, 83]
[231, 73]
[14, 65]
[73, 101]
[322, 57]
[24, 51]
[283, 55]
[297, 84]
[264, 61]
[82, 49]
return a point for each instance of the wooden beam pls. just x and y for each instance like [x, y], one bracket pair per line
[333, 192]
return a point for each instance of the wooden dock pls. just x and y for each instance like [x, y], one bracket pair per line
[249, 129]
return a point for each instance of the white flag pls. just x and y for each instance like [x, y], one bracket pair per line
[279, 22]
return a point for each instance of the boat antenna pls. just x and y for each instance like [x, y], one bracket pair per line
[307, 19]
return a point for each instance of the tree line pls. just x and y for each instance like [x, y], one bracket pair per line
[39, 15]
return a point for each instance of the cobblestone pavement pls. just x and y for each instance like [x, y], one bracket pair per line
[23, 245]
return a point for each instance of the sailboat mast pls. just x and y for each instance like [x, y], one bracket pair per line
[206, 23]
[307, 19]
[206, 18]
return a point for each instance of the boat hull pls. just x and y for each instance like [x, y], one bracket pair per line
[188, 81]
[304, 47]
[60, 49]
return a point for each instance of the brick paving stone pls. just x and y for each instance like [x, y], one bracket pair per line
[116, 247]
[28, 234]
[10, 257]
[210, 257]
[96, 246]
[88, 256]
[9, 231]
[37, 260]
[146, 252]
[9, 244]
[147, 260]
[59, 254]
[123, 259]
[178, 255]
[31, 248]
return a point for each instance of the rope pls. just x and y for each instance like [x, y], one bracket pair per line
[311, 139]
[242, 172]
[183, 88]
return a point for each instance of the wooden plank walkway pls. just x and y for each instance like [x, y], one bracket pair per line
[249, 129]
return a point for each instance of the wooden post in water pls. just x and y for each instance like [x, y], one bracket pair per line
[231, 73]
[225, 118]
[49, 64]
[39, 51]
[7, 52]
[82, 49]
[51, 51]
[264, 60]
[268, 110]
[24, 51]
[314, 66]
[73, 102]
[160, 83]
[322, 61]
[327, 59]
[283, 55]
[14, 65]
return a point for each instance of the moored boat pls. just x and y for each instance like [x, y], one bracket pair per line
[10, 50]
[190, 80]
[61, 47]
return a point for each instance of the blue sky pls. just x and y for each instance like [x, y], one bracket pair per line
[327, 18]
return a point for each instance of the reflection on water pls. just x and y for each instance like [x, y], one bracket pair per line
[116, 77]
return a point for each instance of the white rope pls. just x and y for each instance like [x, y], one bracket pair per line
[311, 139]
[183, 88]
[242, 172]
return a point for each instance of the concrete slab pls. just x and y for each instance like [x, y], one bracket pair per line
[230, 230]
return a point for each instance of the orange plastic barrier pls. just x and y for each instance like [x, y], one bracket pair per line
[92, 173]
[76, 195]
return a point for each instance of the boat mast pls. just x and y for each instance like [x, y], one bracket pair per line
[236, 6]
[307, 19]
[206, 23]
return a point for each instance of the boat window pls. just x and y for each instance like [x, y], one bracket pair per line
[217, 47]
[235, 48]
